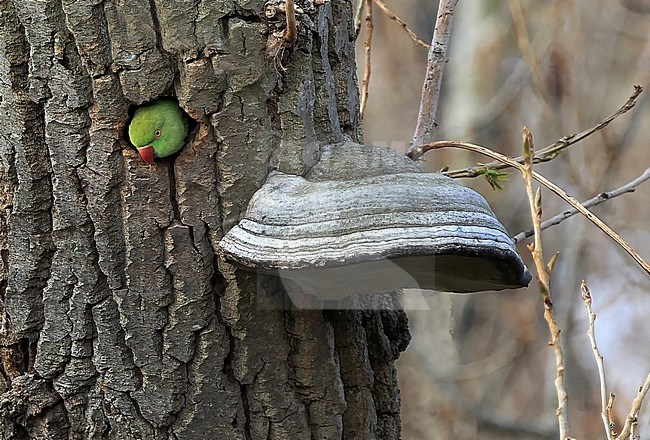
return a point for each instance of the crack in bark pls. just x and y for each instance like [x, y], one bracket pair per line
[156, 26]
[227, 365]
[247, 411]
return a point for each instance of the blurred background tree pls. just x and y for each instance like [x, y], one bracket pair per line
[557, 67]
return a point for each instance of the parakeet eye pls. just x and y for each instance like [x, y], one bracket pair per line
[156, 134]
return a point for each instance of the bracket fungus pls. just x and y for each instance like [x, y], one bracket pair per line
[365, 220]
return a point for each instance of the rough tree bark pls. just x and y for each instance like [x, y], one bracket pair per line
[119, 322]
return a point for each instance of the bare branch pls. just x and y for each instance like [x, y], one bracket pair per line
[609, 412]
[548, 184]
[633, 417]
[384, 7]
[605, 414]
[594, 201]
[546, 154]
[436, 61]
[367, 44]
[543, 279]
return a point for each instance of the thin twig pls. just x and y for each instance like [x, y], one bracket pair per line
[384, 7]
[548, 184]
[367, 44]
[290, 33]
[543, 278]
[594, 201]
[633, 417]
[546, 154]
[436, 61]
[604, 414]
[609, 412]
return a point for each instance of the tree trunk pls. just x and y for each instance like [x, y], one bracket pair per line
[119, 321]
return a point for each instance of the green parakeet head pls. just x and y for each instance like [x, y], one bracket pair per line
[158, 129]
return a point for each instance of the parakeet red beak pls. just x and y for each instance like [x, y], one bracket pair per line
[147, 154]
